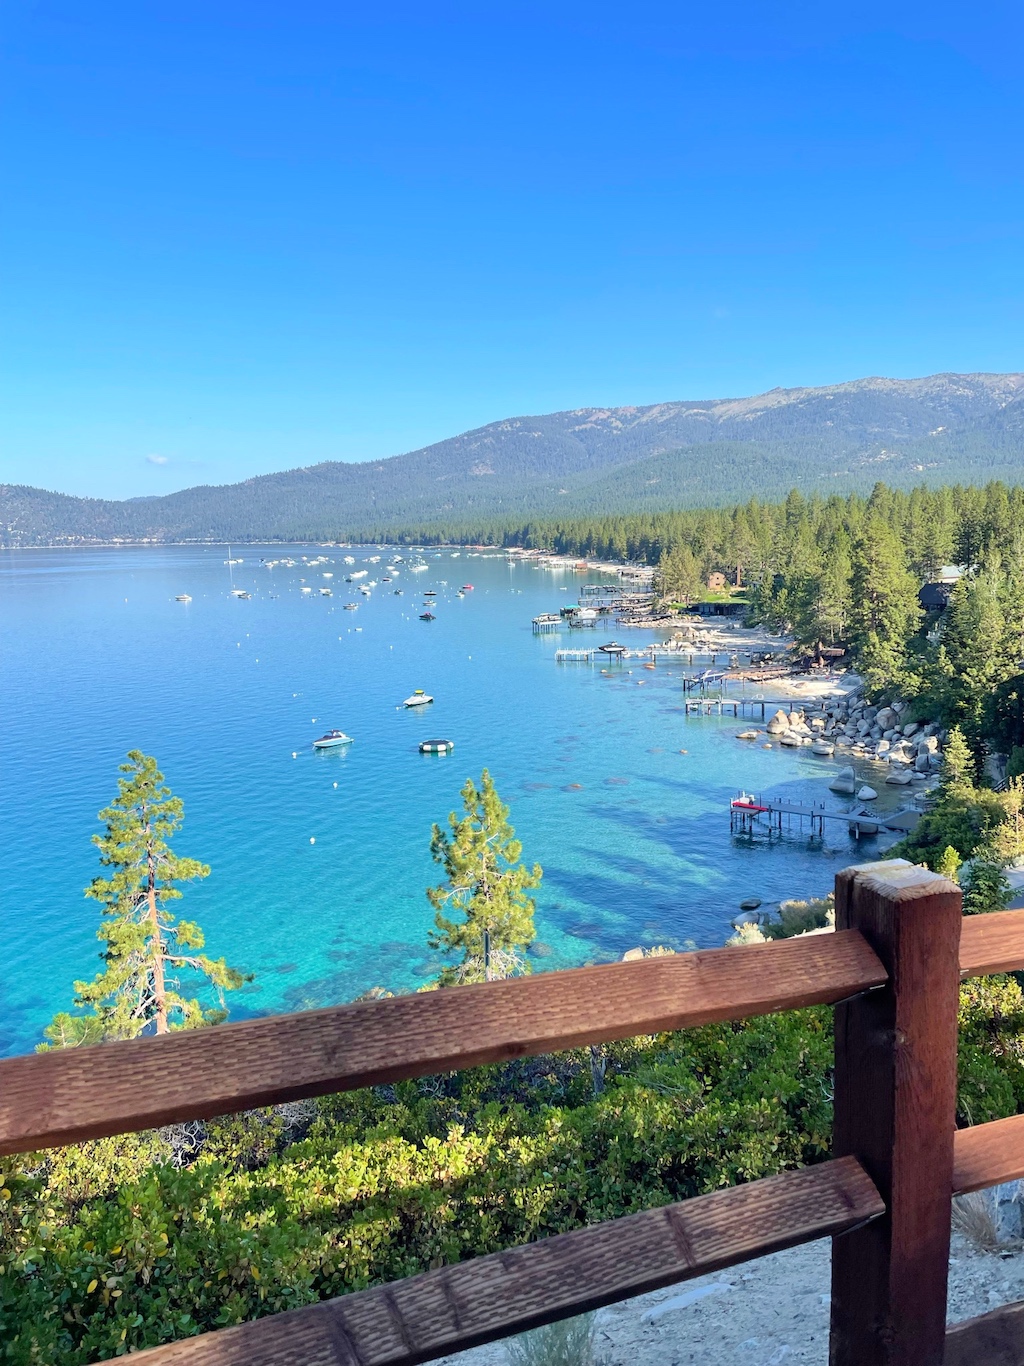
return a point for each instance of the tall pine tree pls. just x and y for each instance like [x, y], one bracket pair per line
[485, 886]
[144, 945]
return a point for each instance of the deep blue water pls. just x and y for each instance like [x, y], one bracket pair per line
[98, 658]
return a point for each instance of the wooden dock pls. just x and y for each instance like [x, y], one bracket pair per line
[746, 813]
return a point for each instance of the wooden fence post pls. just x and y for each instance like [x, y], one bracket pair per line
[895, 1110]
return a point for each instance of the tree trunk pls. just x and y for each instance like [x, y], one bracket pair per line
[159, 996]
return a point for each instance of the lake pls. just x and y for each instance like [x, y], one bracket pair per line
[98, 658]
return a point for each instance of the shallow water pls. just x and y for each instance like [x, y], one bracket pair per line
[98, 658]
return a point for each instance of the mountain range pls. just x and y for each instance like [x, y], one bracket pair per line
[838, 438]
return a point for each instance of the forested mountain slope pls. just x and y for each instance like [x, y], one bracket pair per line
[966, 428]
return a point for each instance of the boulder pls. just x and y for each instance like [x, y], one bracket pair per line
[631, 955]
[882, 747]
[911, 728]
[778, 724]
[899, 707]
[929, 745]
[750, 903]
[748, 735]
[885, 718]
[822, 747]
[899, 778]
[845, 782]
[934, 762]
[788, 738]
[866, 794]
[921, 762]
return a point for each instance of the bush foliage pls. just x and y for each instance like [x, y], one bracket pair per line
[125, 1243]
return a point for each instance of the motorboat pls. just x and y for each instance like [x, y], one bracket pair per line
[429, 593]
[326, 593]
[305, 590]
[183, 597]
[418, 699]
[332, 740]
[359, 574]
[467, 588]
[351, 607]
[240, 593]
[427, 616]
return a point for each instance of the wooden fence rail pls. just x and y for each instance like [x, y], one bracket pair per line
[891, 970]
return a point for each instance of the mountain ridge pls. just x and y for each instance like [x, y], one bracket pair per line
[947, 427]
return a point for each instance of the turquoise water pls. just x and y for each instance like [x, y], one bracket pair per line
[98, 658]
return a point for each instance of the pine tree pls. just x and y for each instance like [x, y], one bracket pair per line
[486, 885]
[679, 575]
[143, 943]
[885, 611]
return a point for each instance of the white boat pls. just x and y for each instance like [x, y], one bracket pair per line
[240, 593]
[326, 593]
[325, 575]
[305, 590]
[351, 607]
[418, 699]
[332, 740]
[359, 574]
[183, 597]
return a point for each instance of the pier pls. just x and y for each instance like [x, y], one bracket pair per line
[747, 813]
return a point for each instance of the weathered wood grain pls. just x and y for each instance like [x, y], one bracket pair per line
[895, 1101]
[461, 1306]
[988, 1154]
[994, 1339]
[992, 943]
[54, 1098]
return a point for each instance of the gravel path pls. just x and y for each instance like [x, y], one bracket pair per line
[763, 1313]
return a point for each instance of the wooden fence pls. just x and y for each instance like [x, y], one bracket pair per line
[891, 970]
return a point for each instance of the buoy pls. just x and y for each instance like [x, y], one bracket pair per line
[335, 784]
[294, 755]
[312, 839]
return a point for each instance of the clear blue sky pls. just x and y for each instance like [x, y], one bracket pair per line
[242, 237]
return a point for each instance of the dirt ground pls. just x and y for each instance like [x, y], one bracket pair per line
[764, 1313]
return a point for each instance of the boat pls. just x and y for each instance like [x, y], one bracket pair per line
[385, 579]
[429, 593]
[359, 574]
[351, 607]
[746, 801]
[240, 593]
[467, 588]
[398, 592]
[305, 590]
[427, 616]
[183, 597]
[326, 593]
[418, 699]
[436, 746]
[325, 575]
[332, 740]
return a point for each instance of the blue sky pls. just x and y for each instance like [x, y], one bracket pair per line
[243, 237]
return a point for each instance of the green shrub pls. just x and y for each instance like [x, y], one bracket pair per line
[126, 1243]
